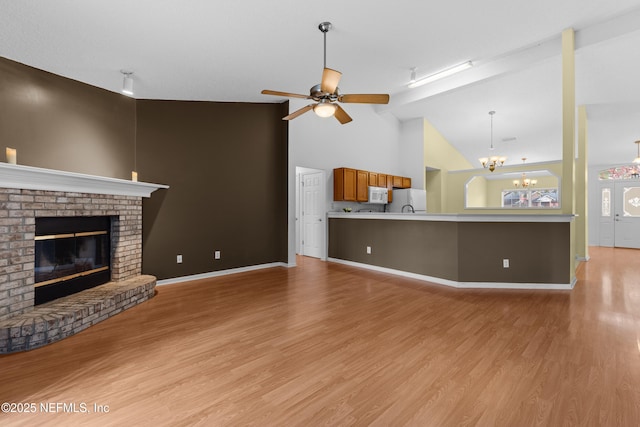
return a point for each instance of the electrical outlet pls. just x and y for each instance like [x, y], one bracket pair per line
[369, 250]
[505, 263]
[216, 255]
[179, 259]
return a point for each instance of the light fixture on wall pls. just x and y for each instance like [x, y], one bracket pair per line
[637, 159]
[127, 82]
[441, 74]
[494, 161]
[412, 79]
[524, 182]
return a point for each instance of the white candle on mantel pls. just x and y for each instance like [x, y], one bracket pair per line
[134, 176]
[12, 154]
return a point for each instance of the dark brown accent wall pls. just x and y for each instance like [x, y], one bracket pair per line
[421, 247]
[226, 164]
[458, 251]
[538, 252]
[63, 124]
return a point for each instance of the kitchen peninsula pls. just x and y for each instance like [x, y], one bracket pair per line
[506, 251]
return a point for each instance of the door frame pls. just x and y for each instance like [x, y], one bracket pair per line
[607, 224]
[300, 172]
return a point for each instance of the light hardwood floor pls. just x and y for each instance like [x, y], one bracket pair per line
[328, 344]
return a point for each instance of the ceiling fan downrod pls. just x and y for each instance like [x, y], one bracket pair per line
[325, 27]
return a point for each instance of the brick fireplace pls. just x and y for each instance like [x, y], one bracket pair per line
[47, 193]
[18, 212]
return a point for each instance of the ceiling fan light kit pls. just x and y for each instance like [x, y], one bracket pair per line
[324, 108]
[327, 95]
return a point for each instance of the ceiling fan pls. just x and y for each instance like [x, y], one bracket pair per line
[327, 95]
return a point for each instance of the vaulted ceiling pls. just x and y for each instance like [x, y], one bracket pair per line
[230, 51]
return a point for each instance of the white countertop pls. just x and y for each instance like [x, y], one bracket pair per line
[454, 217]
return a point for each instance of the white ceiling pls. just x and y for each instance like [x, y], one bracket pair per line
[230, 51]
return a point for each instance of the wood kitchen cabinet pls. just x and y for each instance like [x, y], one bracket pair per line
[373, 179]
[352, 185]
[362, 186]
[401, 181]
[344, 184]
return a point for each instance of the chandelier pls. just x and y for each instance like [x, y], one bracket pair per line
[494, 161]
[524, 182]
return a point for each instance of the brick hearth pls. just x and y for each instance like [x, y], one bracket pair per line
[55, 320]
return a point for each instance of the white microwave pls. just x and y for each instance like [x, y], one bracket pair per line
[378, 195]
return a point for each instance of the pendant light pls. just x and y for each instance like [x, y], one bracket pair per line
[493, 161]
[524, 182]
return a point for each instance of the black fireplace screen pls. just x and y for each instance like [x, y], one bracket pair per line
[71, 254]
[65, 256]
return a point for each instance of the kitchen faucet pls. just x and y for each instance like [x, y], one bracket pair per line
[410, 207]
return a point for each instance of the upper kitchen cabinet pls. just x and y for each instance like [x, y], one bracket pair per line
[401, 182]
[373, 179]
[362, 186]
[344, 185]
[352, 185]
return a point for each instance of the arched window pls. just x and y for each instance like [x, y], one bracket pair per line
[620, 172]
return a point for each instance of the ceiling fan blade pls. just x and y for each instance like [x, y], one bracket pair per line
[379, 98]
[342, 115]
[298, 112]
[287, 94]
[330, 80]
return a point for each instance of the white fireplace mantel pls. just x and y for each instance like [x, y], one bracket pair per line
[32, 178]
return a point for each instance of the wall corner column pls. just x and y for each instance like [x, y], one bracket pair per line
[581, 186]
[568, 203]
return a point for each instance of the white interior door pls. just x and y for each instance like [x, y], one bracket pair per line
[627, 214]
[313, 226]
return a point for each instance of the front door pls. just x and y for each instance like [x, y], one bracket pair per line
[313, 227]
[627, 214]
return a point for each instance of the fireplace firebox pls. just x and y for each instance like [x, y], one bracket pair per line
[71, 254]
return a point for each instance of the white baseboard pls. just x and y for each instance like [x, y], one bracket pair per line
[221, 273]
[461, 285]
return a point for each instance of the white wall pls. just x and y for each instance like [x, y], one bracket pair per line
[370, 142]
[412, 152]
[594, 207]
